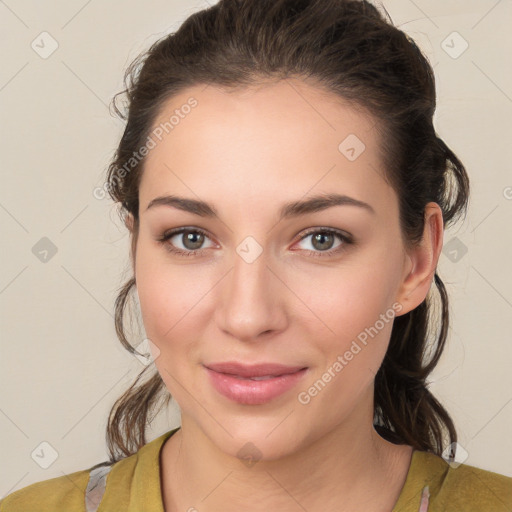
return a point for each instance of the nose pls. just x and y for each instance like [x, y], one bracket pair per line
[251, 303]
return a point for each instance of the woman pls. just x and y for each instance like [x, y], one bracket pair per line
[286, 195]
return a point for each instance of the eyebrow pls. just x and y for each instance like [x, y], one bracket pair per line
[288, 210]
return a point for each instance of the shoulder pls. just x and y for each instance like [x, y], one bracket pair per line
[67, 493]
[454, 486]
[62, 493]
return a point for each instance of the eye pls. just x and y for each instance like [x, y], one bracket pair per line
[323, 240]
[191, 239]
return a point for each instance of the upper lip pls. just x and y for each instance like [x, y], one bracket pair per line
[253, 370]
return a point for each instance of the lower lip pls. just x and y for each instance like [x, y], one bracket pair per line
[253, 392]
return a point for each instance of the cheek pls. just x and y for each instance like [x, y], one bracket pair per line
[345, 301]
[356, 307]
[158, 288]
[173, 299]
[167, 296]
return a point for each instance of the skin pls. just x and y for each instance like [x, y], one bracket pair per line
[247, 153]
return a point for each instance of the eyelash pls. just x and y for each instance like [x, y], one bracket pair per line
[346, 239]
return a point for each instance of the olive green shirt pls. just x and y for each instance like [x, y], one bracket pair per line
[133, 485]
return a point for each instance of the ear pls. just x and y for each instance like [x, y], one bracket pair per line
[421, 261]
[129, 222]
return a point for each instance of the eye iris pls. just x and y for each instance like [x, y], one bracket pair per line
[189, 236]
[320, 237]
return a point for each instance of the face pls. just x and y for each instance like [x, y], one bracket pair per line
[315, 288]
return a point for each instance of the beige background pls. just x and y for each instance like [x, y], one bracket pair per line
[61, 364]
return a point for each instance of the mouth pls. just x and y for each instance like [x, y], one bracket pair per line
[255, 384]
[253, 371]
[264, 377]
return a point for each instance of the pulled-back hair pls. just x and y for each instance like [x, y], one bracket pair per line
[352, 50]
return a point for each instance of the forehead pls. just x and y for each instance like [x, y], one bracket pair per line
[279, 139]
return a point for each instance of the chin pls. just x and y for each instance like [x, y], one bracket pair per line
[256, 439]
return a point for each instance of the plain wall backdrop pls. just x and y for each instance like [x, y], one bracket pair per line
[65, 252]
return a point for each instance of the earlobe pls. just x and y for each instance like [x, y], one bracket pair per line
[422, 261]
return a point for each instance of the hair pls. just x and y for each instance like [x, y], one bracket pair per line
[348, 48]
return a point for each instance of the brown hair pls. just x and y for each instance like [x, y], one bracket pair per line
[348, 48]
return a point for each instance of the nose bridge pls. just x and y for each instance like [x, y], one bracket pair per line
[250, 302]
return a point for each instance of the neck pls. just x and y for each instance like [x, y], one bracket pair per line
[349, 468]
